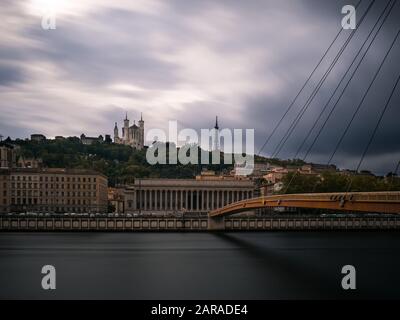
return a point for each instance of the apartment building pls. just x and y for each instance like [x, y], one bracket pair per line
[53, 190]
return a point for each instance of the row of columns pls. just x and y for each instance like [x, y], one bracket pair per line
[186, 200]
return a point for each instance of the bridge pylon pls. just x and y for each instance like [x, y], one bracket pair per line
[216, 223]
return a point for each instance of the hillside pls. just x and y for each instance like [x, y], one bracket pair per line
[119, 162]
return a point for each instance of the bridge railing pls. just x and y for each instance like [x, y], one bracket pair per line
[387, 201]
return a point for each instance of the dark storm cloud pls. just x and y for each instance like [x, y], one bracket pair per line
[386, 142]
[10, 75]
[191, 60]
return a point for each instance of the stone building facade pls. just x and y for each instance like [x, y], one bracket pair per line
[53, 190]
[8, 155]
[184, 195]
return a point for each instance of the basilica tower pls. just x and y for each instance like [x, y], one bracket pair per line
[116, 138]
[125, 131]
[141, 131]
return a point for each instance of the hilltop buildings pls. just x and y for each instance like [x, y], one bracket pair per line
[38, 137]
[131, 135]
[91, 140]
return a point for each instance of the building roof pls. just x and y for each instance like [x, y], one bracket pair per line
[57, 171]
[161, 182]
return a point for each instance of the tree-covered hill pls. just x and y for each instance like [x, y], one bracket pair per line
[119, 163]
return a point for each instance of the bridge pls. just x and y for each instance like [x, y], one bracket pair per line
[387, 202]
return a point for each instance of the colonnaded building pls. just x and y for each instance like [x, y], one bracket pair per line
[52, 190]
[199, 195]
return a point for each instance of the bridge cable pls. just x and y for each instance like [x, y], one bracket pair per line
[301, 90]
[363, 98]
[343, 77]
[326, 120]
[348, 82]
[345, 87]
[375, 130]
[295, 122]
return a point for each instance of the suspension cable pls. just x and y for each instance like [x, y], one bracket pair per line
[362, 100]
[302, 88]
[374, 131]
[342, 79]
[295, 122]
[345, 87]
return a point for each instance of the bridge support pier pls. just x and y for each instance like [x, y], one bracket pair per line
[216, 223]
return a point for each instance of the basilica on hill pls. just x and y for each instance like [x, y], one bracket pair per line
[131, 135]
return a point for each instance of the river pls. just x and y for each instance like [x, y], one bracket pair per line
[252, 265]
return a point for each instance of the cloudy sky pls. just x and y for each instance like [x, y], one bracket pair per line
[190, 60]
